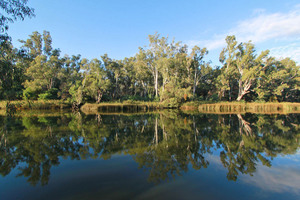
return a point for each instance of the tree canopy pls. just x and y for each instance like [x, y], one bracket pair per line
[165, 71]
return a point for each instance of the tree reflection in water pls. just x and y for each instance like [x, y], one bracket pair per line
[163, 143]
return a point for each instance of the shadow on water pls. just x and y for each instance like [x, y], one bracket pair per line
[165, 144]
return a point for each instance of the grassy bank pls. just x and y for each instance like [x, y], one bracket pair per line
[238, 107]
[127, 106]
[34, 105]
[137, 106]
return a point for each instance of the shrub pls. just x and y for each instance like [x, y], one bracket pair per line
[49, 94]
[29, 94]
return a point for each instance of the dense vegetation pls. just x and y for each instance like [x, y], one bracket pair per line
[162, 71]
[165, 71]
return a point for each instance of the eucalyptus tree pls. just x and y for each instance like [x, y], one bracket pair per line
[241, 67]
[279, 80]
[248, 66]
[11, 75]
[199, 69]
[154, 58]
[114, 73]
[34, 44]
[128, 78]
[95, 82]
[45, 66]
[144, 84]
[227, 78]
[290, 81]
[69, 75]
[11, 71]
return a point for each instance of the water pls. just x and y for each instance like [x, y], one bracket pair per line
[165, 155]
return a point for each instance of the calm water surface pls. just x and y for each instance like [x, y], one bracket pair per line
[166, 155]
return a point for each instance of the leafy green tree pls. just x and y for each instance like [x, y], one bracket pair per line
[227, 78]
[248, 66]
[69, 76]
[34, 44]
[115, 70]
[155, 59]
[95, 82]
[45, 67]
[199, 67]
[279, 80]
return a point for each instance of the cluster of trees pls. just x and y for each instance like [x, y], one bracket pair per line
[164, 144]
[162, 71]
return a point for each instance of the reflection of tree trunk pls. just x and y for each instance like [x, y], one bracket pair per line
[117, 136]
[244, 125]
[228, 149]
[156, 131]
[165, 135]
[143, 128]
[99, 119]
[3, 139]
[242, 143]
[196, 131]
[49, 128]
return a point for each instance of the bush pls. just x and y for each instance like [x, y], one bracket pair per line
[29, 94]
[214, 97]
[174, 93]
[171, 103]
[134, 98]
[49, 94]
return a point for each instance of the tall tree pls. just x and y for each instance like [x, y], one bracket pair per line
[248, 66]
[199, 69]
[279, 80]
[96, 82]
[227, 78]
[45, 66]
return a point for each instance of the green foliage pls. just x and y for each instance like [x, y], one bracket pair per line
[14, 10]
[164, 71]
[49, 94]
[29, 94]
[76, 93]
[172, 95]
[134, 98]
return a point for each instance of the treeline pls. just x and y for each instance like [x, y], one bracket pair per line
[163, 71]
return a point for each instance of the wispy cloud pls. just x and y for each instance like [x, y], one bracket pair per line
[276, 179]
[291, 50]
[262, 27]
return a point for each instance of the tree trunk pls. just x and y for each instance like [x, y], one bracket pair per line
[99, 96]
[244, 125]
[195, 82]
[240, 90]
[156, 131]
[156, 82]
[243, 89]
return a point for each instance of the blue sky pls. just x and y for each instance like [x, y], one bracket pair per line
[118, 27]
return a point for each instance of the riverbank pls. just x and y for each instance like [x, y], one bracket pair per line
[239, 107]
[127, 106]
[35, 105]
[137, 106]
